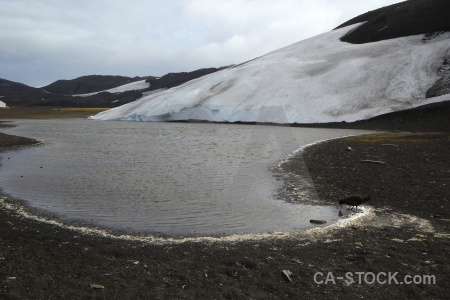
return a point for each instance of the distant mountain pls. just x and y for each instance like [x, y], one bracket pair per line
[324, 78]
[19, 94]
[14, 92]
[92, 90]
[89, 84]
[8, 88]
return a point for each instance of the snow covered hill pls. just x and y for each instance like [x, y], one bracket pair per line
[321, 79]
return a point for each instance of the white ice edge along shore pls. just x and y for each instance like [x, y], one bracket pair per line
[151, 239]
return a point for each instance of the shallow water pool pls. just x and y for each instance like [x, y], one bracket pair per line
[169, 178]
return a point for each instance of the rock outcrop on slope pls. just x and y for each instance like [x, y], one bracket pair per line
[406, 18]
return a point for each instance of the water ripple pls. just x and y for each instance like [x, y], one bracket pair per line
[173, 178]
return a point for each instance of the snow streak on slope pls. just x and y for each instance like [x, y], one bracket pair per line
[320, 79]
[137, 85]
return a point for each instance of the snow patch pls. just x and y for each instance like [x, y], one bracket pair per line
[137, 85]
[321, 79]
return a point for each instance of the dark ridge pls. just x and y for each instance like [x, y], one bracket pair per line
[19, 94]
[8, 88]
[406, 18]
[430, 117]
[88, 84]
[102, 99]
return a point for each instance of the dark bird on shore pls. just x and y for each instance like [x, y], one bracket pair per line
[354, 201]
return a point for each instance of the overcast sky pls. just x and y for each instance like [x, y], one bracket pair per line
[42, 41]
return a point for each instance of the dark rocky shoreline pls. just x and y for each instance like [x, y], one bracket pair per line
[408, 233]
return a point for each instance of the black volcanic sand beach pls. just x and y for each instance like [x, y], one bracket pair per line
[408, 180]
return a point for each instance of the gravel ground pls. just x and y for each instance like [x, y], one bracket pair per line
[407, 231]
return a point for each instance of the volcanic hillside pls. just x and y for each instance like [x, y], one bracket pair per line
[322, 79]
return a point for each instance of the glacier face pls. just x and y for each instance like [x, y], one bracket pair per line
[320, 79]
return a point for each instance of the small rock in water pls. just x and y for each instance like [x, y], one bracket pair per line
[320, 222]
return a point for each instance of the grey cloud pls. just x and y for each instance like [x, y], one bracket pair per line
[42, 41]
